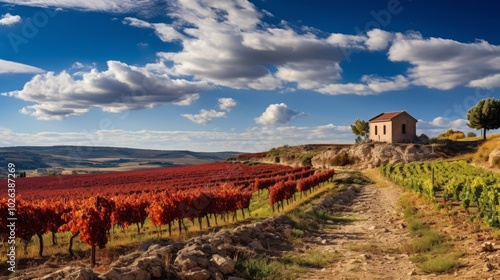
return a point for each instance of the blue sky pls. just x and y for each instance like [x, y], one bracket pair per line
[237, 75]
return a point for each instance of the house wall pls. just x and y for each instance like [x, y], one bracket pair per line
[411, 129]
[380, 136]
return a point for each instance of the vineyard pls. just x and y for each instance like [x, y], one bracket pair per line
[89, 206]
[452, 182]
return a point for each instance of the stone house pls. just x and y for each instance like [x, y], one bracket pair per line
[393, 127]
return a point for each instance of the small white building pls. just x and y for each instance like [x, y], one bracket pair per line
[393, 127]
[41, 171]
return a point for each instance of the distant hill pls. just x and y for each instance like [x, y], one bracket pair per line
[102, 158]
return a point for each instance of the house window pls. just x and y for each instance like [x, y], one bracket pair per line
[376, 131]
[384, 129]
[403, 128]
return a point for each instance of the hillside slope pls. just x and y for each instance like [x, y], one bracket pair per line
[28, 158]
[488, 154]
[360, 156]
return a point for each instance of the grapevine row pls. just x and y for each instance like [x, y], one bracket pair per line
[455, 181]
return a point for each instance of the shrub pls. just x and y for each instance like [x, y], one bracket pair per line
[341, 159]
[440, 264]
[471, 134]
[306, 160]
[451, 135]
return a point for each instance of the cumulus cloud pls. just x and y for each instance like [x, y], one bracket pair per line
[371, 85]
[8, 19]
[112, 6]
[120, 88]
[277, 114]
[250, 140]
[226, 43]
[378, 39]
[227, 104]
[165, 32]
[310, 74]
[446, 122]
[204, 117]
[488, 82]
[10, 67]
[445, 64]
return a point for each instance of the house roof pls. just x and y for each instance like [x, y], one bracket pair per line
[384, 117]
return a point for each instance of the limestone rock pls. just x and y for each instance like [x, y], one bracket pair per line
[196, 274]
[488, 247]
[494, 158]
[256, 245]
[76, 273]
[185, 263]
[225, 265]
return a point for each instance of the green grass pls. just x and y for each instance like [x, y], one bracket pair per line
[428, 249]
[289, 266]
[417, 228]
[440, 264]
[409, 211]
[262, 268]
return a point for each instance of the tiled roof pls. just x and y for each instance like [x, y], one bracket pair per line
[387, 116]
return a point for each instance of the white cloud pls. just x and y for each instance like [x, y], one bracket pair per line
[371, 85]
[445, 64]
[448, 123]
[227, 104]
[120, 88]
[137, 22]
[440, 124]
[374, 40]
[378, 39]
[10, 67]
[8, 19]
[277, 114]
[226, 43]
[310, 74]
[345, 40]
[250, 140]
[488, 82]
[112, 6]
[165, 32]
[204, 117]
[187, 100]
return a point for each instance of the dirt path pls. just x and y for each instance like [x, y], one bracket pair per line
[368, 243]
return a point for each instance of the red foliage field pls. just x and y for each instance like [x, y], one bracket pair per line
[88, 205]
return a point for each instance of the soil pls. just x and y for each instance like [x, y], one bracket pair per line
[367, 239]
[372, 229]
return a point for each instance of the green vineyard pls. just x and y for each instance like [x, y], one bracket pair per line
[449, 182]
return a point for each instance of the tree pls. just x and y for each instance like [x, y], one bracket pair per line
[361, 129]
[485, 115]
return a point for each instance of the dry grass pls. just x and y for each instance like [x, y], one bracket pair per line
[483, 152]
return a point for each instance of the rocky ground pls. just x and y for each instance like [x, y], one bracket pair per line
[370, 243]
[366, 235]
[368, 239]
